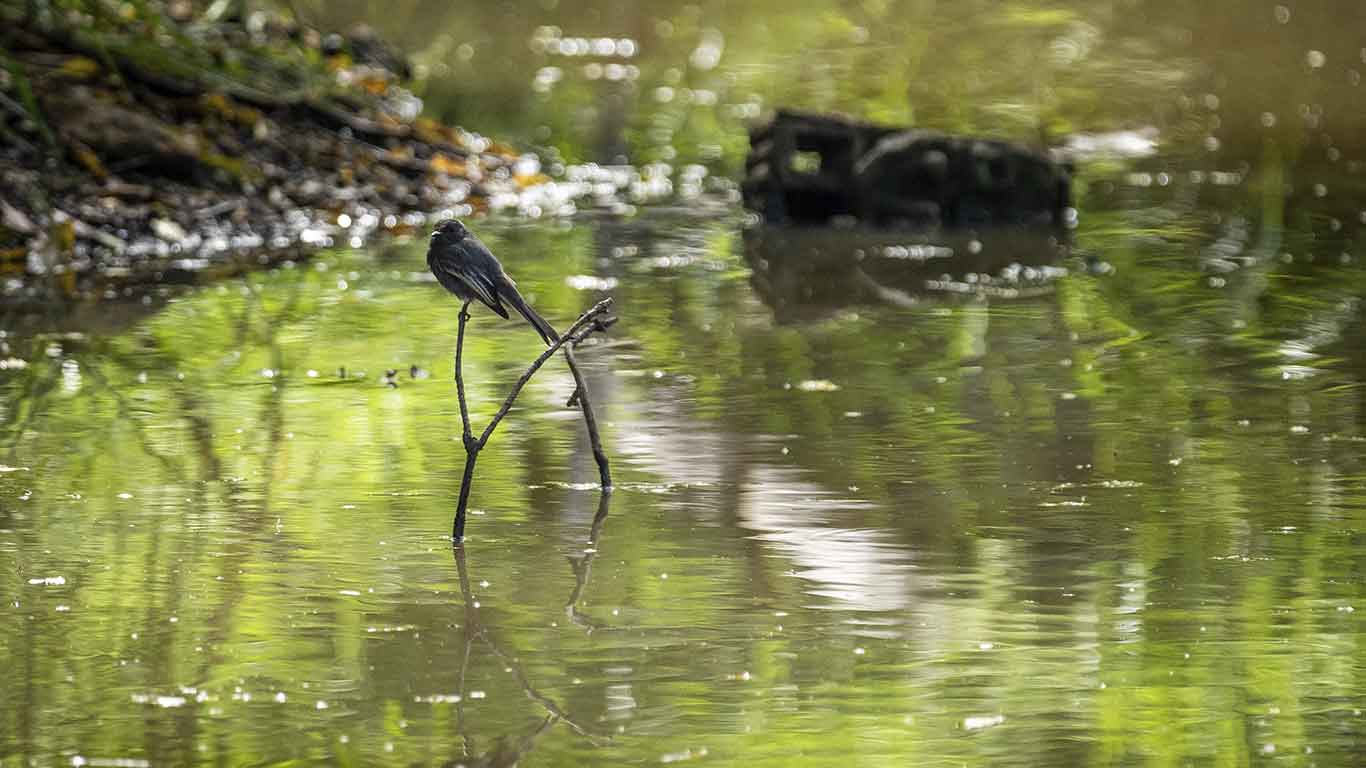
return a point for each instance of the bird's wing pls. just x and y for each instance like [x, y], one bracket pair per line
[479, 261]
[479, 284]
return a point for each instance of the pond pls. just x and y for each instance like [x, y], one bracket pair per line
[981, 499]
[1079, 526]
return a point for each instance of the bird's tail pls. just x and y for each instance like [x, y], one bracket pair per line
[547, 331]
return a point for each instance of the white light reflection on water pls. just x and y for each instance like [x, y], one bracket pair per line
[854, 568]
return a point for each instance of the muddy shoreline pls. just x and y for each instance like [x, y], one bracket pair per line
[151, 150]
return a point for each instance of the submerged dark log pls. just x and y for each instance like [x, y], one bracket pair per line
[815, 169]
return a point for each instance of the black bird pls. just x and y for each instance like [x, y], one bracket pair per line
[466, 268]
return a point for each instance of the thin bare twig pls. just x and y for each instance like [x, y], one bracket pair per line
[582, 568]
[459, 378]
[591, 321]
[591, 421]
[587, 323]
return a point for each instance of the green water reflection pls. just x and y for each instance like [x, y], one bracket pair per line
[1108, 518]
[1096, 526]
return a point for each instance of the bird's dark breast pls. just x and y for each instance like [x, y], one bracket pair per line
[440, 265]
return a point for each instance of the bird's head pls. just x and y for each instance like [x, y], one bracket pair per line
[449, 230]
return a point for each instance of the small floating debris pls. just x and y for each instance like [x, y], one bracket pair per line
[439, 698]
[390, 630]
[978, 722]
[79, 761]
[687, 754]
[165, 702]
[818, 385]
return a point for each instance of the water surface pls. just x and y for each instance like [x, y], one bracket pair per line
[966, 499]
[1057, 529]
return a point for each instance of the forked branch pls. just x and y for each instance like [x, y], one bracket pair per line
[595, 320]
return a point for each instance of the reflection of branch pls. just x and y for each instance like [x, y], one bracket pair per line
[592, 321]
[535, 695]
[39, 383]
[506, 754]
[248, 520]
[583, 566]
[125, 412]
[474, 629]
[24, 409]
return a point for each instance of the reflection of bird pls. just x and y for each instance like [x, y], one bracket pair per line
[466, 268]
